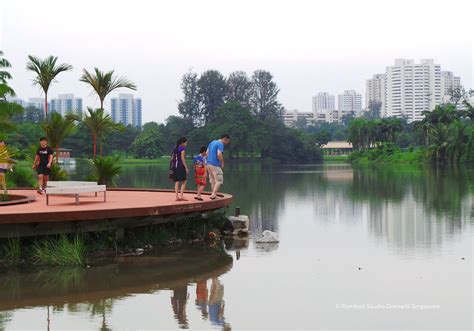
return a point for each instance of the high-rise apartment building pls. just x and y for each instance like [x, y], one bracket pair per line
[375, 90]
[350, 101]
[126, 109]
[412, 88]
[37, 103]
[32, 102]
[290, 118]
[66, 104]
[449, 83]
[323, 101]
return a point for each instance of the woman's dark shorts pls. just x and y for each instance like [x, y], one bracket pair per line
[179, 174]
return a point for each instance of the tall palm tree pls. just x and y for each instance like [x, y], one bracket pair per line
[46, 71]
[105, 82]
[4, 76]
[7, 109]
[100, 124]
[469, 111]
[58, 128]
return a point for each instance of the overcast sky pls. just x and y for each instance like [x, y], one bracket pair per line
[309, 46]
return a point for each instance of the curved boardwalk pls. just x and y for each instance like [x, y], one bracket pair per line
[134, 206]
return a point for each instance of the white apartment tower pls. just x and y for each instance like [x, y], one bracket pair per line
[323, 101]
[412, 88]
[449, 82]
[350, 101]
[66, 104]
[375, 90]
[126, 109]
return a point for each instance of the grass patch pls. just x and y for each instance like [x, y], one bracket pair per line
[388, 154]
[127, 161]
[335, 157]
[10, 251]
[73, 250]
[60, 251]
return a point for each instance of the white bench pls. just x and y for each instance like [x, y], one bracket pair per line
[63, 183]
[70, 183]
[75, 190]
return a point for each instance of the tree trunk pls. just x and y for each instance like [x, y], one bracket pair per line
[102, 104]
[45, 105]
[94, 144]
[57, 154]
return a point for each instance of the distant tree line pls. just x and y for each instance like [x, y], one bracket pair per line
[247, 108]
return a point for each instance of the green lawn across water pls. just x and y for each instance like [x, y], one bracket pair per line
[335, 157]
[126, 161]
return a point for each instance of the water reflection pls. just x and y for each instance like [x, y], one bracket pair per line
[96, 291]
[409, 229]
[406, 206]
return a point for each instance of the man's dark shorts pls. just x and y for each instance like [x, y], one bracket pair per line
[43, 170]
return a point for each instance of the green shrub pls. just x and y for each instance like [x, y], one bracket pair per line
[60, 251]
[22, 176]
[58, 173]
[10, 250]
[105, 170]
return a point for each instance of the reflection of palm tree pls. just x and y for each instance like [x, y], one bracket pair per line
[5, 317]
[178, 303]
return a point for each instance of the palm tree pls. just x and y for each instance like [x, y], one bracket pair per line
[105, 82]
[46, 72]
[393, 126]
[105, 170]
[100, 124]
[7, 109]
[469, 111]
[58, 128]
[4, 76]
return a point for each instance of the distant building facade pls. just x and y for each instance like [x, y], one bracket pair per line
[32, 102]
[411, 88]
[350, 101]
[449, 83]
[323, 101]
[291, 117]
[37, 103]
[126, 109]
[66, 104]
[375, 90]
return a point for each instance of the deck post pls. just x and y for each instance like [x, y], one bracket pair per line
[105, 196]
[77, 199]
[47, 199]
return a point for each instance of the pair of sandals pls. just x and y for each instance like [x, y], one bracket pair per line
[201, 199]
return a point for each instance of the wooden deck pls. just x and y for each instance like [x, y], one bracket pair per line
[129, 207]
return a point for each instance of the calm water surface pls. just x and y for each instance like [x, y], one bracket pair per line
[369, 248]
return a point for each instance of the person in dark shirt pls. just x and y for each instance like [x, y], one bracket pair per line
[180, 168]
[42, 164]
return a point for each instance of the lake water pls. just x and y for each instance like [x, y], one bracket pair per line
[360, 248]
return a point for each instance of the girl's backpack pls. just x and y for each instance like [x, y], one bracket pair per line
[173, 163]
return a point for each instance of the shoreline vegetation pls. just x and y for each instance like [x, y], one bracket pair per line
[445, 136]
[79, 249]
